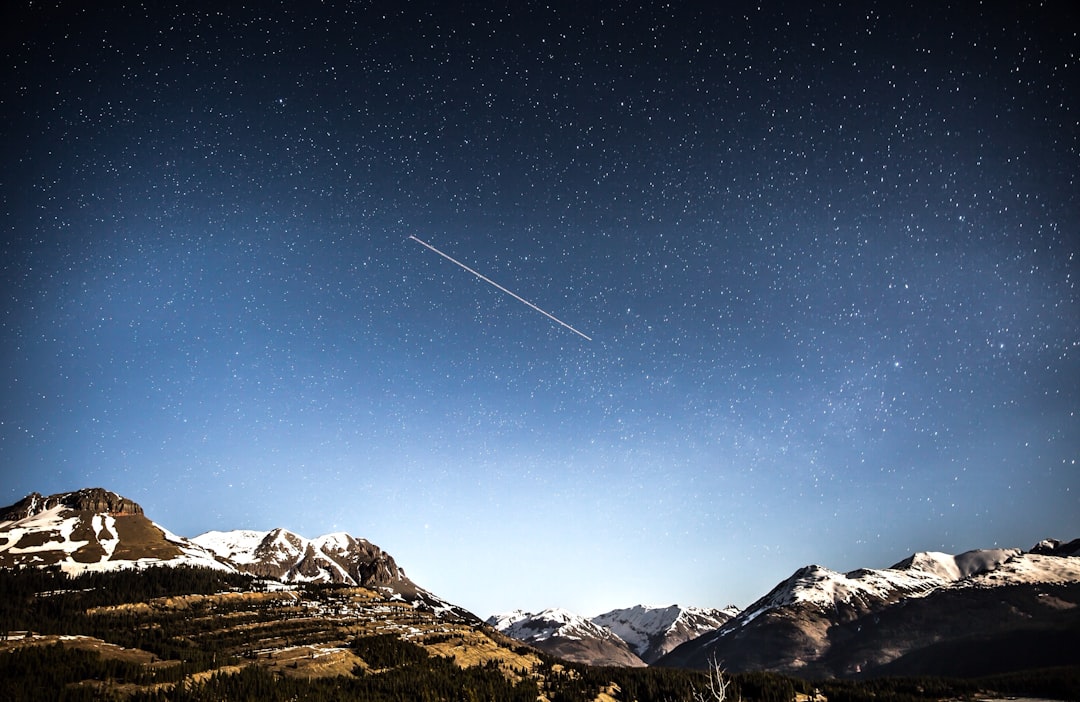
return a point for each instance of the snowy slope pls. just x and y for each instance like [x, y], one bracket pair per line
[629, 636]
[653, 631]
[550, 623]
[568, 635]
[916, 576]
[94, 529]
[1028, 568]
[826, 589]
[236, 546]
[953, 568]
[821, 622]
[282, 554]
[332, 558]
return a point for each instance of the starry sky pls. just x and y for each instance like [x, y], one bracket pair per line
[826, 254]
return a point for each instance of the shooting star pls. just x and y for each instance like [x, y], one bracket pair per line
[492, 282]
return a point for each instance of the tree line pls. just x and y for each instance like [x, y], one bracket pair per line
[48, 601]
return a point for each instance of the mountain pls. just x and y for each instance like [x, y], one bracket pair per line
[652, 632]
[94, 530]
[634, 636]
[198, 633]
[567, 635]
[91, 529]
[118, 618]
[337, 558]
[1053, 547]
[284, 555]
[974, 613]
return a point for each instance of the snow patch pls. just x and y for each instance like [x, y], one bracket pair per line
[550, 623]
[237, 546]
[954, 568]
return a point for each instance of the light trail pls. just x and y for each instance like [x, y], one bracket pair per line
[492, 282]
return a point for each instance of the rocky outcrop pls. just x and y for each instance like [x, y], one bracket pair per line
[365, 562]
[96, 500]
[101, 501]
[1053, 547]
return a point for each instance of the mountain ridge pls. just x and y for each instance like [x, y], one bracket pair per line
[94, 529]
[652, 632]
[565, 634]
[819, 622]
[816, 622]
[279, 553]
[86, 499]
[635, 636]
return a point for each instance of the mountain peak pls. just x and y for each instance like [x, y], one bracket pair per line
[98, 500]
[334, 558]
[1055, 547]
[652, 632]
[633, 636]
[958, 567]
[571, 636]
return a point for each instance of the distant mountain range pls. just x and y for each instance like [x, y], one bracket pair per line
[652, 632]
[976, 613]
[567, 635]
[979, 612]
[636, 636]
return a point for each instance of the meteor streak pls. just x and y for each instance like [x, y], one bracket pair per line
[492, 282]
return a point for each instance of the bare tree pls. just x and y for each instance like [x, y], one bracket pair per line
[718, 686]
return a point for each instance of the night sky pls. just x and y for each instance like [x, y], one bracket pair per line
[827, 255]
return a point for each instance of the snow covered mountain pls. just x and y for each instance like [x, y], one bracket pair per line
[930, 614]
[94, 529]
[916, 576]
[629, 637]
[332, 558]
[819, 622]
[91, 529]
[567, 635]
[953, 568]
[283, 555]
[652, 632]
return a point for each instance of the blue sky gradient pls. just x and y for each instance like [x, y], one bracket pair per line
[827, 258]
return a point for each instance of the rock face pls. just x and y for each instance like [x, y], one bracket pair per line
[88, 500]
[333, 558]
[975, 613]
[365, 562]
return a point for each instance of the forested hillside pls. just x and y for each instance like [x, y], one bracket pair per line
[196, 634]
